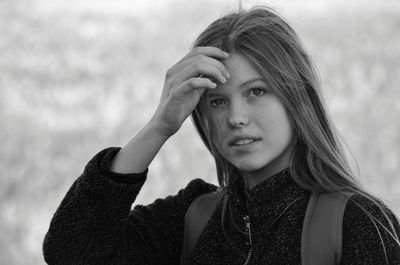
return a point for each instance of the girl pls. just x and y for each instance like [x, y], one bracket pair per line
[254, 98]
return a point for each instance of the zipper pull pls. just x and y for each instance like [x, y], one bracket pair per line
[248, 228]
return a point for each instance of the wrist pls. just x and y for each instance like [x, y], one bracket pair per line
[157, 128]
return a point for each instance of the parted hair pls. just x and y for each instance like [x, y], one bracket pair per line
[318, 162]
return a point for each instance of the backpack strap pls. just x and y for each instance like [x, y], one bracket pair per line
[321, 241]
[196, 218]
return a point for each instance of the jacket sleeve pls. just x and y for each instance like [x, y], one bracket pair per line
[94, 223]
[362, 244]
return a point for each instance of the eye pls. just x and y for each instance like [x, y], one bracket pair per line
[257, 91]
[216, 102]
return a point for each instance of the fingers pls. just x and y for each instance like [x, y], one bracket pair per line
[197, 83]
[207, 69]
[200, 69]
[197, 62]
[216, 63]
[207, 51]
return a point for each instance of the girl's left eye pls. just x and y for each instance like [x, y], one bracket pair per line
[257, 91]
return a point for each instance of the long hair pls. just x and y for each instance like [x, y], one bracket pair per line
[318, 162]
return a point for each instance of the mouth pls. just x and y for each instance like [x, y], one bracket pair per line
[243, 140]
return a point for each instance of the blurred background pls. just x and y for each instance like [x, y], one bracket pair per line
[78, 76]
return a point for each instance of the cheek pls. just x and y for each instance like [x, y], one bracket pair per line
[283, 127]
[276, 122]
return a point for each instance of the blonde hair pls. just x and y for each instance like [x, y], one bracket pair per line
[318, 161]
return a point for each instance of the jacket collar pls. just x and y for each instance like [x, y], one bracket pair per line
[267, 200]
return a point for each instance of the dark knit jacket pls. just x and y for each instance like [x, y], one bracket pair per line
[95, 223]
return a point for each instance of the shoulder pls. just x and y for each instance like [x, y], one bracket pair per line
[206, 201]
[185, 196]
[360, 209]
[198, 187]
[366, 236]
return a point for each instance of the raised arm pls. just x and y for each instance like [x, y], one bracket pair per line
[94, 223]
[184, 84]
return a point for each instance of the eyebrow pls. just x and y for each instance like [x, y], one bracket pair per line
[244, 84]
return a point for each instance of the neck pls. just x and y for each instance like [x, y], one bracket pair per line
[278, 164]
[252, 180]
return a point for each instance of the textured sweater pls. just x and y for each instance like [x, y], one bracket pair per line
[95, 223]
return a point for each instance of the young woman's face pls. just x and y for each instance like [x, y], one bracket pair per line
[252, 128]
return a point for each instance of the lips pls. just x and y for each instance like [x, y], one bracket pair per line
[243, 139]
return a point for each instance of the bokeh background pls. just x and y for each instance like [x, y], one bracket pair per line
[77, 76]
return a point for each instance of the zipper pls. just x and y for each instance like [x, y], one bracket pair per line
[250, 243]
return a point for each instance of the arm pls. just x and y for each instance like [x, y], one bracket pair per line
[361, 241]
[183, 86]
[137, 155]
[95, 225]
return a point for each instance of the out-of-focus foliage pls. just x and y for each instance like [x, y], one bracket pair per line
[79, 76]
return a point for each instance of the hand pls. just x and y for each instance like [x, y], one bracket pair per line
[184, 84]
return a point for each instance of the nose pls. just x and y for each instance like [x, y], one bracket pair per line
[238, 115]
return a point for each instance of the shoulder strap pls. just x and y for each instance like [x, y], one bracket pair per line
[321, 241]
[196, 218]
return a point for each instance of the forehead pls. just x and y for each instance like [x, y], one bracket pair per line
[240, 66]
[242, 72]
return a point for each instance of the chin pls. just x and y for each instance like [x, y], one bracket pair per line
[250, 165]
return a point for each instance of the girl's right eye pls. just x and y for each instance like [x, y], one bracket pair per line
[216, 102]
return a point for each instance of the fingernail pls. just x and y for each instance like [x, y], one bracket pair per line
[226, 54]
